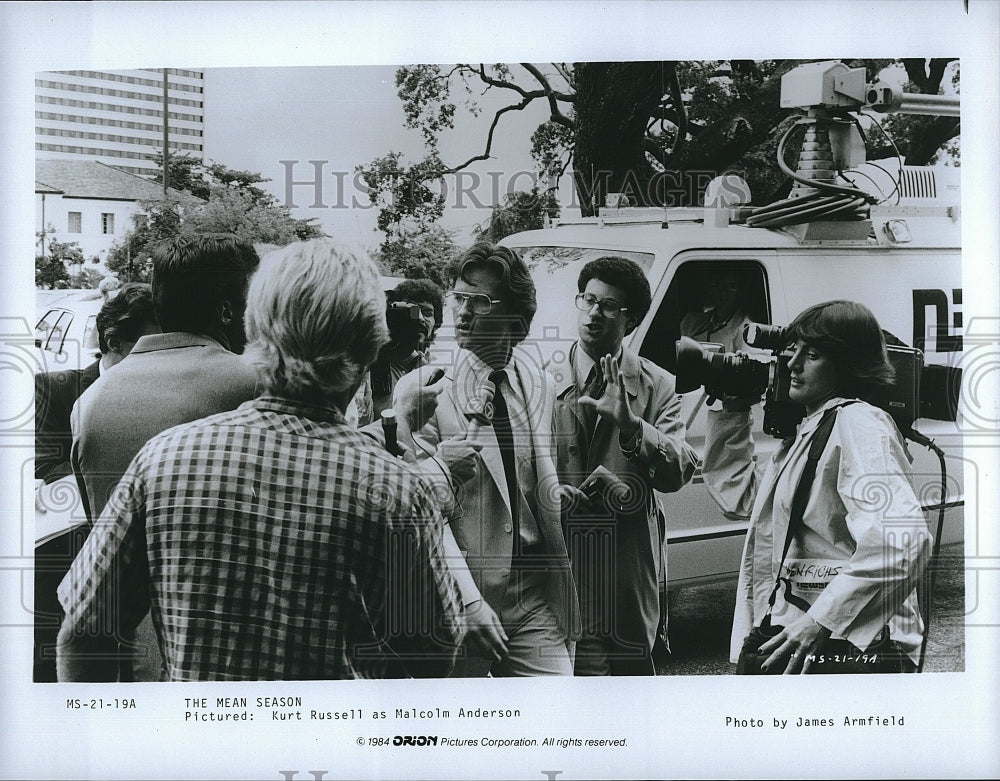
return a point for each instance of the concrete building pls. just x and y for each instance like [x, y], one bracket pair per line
[117, 117]
[91, 203]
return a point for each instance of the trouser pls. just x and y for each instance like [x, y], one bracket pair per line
[536, 645]
[614, 640]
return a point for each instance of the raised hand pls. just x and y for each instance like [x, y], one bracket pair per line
[613, 403]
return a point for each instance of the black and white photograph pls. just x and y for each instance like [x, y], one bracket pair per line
[654, 349]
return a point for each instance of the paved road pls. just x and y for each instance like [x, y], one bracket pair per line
[701, 618]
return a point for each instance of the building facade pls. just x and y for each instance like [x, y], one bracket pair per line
[91, 203]
[116, 117]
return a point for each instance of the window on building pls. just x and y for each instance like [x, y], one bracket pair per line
[75, 223]
[107, 222]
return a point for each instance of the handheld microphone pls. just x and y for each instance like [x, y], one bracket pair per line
[479, 410]
[389, 430]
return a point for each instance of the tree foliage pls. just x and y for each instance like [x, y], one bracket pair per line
[52, 263]
[233, 202]
[656, 131]
[924, 140]
[156, 221]
[520, 211]
[427, 253]
[85, 279]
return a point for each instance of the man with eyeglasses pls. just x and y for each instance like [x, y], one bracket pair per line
[521, 608]
[618, 414]
[414, 313]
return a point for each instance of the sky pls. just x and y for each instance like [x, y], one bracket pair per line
[344, 117]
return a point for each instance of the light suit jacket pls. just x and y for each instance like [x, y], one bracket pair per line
[481, 519]
[665, 462]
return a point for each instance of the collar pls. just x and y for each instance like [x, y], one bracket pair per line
[567, 371]
[470, 368]
[280, 405]
[809, 422]
[172, 341]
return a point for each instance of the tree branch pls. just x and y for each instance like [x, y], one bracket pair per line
[654, 150]
[674, 85]
[489, 137]
[936, 72]
[542, 79]
[916, 72]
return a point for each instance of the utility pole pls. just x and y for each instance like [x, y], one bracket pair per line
[166, 135]
[43, 227]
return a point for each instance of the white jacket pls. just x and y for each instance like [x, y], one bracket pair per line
[863, 544]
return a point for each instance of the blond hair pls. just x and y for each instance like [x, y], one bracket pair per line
[315, 319]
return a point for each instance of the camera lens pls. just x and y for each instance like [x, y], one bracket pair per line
[764, 337]
[722, 374]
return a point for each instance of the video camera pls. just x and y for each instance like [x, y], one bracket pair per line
[403, 319]
[917, 391]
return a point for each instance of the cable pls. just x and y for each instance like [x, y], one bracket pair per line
[870, 179]
[899, 157]
[814, 183]
[895, 182]
[826, 202]
[926, 609]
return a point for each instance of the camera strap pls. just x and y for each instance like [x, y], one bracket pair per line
[800, 498]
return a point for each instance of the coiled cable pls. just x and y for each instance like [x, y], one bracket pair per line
[827, 201]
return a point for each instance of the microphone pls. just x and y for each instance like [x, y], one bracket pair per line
[479, 410]
[389, 430]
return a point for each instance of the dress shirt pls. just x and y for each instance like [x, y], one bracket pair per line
[524, 452]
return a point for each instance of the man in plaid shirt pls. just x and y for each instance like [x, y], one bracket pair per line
[275, 541]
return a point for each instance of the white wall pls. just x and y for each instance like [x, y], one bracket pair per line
[91, 239]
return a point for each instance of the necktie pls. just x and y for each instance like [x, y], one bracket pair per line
[505, 438]
[595, 389]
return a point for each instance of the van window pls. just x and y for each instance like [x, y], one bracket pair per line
[692, 300]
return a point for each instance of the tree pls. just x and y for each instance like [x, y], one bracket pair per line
[656, 131]
[85, 279]
[51, 270]
[233, 203]
[234, 209]
[419, 254]
[924, 140]
[157, 221]
[521, 211]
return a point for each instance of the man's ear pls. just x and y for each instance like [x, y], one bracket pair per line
[224, 312]
[631, 325]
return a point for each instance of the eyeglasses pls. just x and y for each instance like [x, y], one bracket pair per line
[607, 306]
[479, 303]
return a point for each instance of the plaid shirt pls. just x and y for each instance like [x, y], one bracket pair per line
[271, 542]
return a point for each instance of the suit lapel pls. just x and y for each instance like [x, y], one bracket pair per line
[463, 390]
[539, 404]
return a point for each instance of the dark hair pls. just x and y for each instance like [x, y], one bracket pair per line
[849, 335]
[192, 275]
[517, 289]
[624, 274]
[419, 291]
[125, 317]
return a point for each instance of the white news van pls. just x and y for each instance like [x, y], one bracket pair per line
[904, 263]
